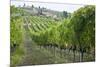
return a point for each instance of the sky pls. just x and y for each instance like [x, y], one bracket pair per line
[58, 5]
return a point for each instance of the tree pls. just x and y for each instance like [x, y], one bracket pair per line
[24, 5]
[32, 6]
[40, 11]
[83, 24]
[65, 14]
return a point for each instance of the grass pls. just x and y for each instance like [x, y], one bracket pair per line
[16, 56]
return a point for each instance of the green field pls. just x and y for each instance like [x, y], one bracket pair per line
[38, 40]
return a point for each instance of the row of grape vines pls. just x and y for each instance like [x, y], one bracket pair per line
[64, 35]
[16, 39]
[74, 36]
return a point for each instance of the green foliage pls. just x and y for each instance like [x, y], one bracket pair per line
[77, 31]
[15, 31]
[16, 39]
[83, 25]
[17, 56]
[17, 11]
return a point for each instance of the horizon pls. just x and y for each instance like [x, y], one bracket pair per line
[52, 6]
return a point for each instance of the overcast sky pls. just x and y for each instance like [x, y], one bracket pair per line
[58, 5]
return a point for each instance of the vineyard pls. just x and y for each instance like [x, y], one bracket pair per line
[39, 40]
